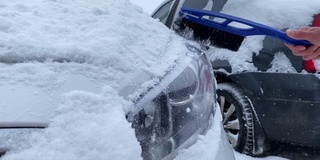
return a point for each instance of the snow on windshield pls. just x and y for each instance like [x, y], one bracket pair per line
[278, 14]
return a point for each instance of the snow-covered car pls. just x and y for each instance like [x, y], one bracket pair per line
[269, 98]
[82, 80]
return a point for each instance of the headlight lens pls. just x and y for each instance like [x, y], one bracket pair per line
[177, 109]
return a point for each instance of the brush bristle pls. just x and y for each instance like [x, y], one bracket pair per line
[207, 35]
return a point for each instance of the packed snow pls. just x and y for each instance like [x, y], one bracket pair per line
[108, 42]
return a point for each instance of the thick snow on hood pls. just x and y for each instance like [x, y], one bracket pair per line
[109, 41]
[101, 33]
[278, 14]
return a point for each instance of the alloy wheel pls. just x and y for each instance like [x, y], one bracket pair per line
[230, 121]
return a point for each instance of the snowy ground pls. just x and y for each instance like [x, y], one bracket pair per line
[107, 43]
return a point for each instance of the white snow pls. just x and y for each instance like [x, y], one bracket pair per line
[113, 40]
[281, 64]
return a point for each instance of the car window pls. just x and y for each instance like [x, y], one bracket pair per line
[271, 45]
[163, 12]
[200, 4]
[213, 5]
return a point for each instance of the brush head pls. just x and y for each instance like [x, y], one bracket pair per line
[207, 35]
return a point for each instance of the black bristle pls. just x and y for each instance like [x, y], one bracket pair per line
[214, 37]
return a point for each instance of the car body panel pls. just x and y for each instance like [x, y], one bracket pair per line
[286, 103]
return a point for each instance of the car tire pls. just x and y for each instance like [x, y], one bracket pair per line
[237, 117]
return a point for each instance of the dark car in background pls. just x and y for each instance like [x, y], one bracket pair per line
[264, 113]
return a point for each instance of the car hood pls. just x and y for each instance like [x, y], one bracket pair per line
[62, 66]
[51, 48]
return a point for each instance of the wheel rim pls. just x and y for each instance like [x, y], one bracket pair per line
[230, 120]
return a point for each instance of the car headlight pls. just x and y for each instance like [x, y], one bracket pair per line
[174, 112]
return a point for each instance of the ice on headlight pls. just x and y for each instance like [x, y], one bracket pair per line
[176, 110]
[183, 89]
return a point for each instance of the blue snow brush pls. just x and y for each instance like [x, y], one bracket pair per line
[225, 31]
